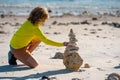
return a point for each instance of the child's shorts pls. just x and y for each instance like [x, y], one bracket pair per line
[11, 48]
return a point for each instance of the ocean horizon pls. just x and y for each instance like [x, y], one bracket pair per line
[60, 7]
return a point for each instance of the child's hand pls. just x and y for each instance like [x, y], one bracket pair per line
[65, 43]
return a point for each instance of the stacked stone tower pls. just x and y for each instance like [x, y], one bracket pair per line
[72, 59]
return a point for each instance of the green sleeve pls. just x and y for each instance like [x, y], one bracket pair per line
[44, 39]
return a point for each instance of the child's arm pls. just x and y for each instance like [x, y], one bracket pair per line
[47, 41]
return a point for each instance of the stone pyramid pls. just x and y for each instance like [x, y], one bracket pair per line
[72, 59]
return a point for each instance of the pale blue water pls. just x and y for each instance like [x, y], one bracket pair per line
[59, 7]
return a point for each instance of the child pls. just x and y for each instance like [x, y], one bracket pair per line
[28, 37]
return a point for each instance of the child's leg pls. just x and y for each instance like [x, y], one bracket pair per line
[25, 57]
[32, 46]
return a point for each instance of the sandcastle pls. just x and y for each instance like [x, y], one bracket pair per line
[72, 59]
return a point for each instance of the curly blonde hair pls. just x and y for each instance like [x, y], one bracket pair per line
[38, 14]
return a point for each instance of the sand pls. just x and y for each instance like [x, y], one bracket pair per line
[98, 41]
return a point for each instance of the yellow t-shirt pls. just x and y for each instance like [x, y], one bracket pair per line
[26, 33]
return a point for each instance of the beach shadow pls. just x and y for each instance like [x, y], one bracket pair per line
[39, 75]
[53, 73]
[117, 67]
[10, 68]
[48, 73]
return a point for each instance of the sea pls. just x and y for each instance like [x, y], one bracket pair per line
[60, 7]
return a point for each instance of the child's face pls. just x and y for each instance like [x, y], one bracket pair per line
[41, 22]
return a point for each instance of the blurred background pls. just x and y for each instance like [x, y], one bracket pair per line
[60, 7]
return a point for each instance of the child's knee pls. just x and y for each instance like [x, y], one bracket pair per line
[32, 62]
[34, 66]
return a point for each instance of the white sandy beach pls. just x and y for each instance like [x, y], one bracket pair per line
[99, 46]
